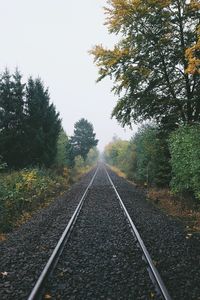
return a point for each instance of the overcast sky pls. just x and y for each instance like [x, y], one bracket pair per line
[51, 39]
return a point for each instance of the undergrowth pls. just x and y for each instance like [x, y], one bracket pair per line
[22, 192]
[183, 208]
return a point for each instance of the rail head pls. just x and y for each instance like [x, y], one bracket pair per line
[156, 275]
[36, 291]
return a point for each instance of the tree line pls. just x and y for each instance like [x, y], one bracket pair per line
[82, 144]
[29, 123]
[155, 69]
[31, 129]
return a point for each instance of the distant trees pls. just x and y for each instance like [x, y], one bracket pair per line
[92, 156]
[29, 124]
[121, 154]
[145, 158]
[83, 139]
[61, 156]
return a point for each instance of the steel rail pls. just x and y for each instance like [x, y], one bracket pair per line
[36, 291]
[153, 269]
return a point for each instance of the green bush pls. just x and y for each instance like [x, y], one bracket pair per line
[120, 154]
[152, 157]
[25, 190]
[185, 160]
[144, 159]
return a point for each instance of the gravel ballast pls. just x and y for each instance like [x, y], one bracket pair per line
[101, 260]
[175, 254]
[27, 250]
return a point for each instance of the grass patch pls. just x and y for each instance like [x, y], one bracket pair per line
[184, 208]
[25, 191]
[118, 171]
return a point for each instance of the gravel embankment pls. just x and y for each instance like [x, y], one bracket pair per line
[176, 255]
[26, 251]
[102, 259]
[99, 263]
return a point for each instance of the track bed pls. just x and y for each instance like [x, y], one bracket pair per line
[102, 260]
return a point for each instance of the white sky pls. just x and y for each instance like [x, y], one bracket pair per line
[51, 39]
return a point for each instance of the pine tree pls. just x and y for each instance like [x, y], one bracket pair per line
[83, 139]
[42, 125]
[11, 118]
[18, 102]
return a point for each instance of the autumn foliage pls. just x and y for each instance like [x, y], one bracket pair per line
[155, 64]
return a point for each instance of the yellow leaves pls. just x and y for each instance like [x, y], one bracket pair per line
[18, 186]
[144, 71]
[194, 5]
[2, 237]
[29, 178]
[119, 12]
[122, 12]
[23, 218]
[193, 60]
[108, 58]
[65, 173]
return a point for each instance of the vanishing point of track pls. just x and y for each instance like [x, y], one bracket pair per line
[38, 290]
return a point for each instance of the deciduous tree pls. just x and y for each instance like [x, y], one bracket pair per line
[155, 65]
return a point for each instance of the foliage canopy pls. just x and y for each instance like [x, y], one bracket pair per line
[155, 65]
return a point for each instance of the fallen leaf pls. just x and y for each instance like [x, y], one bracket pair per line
[4, 274]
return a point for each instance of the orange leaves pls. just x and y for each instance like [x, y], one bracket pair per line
[191, 56]
[193, 61]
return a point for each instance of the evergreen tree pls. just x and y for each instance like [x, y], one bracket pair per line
[11, 118]
[29, 124]
[19, 144]
[42, 125]
[70, 155]
[83, 139]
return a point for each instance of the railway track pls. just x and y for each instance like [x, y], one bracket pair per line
[100, 254]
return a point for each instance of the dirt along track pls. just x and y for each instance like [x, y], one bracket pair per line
[102, 259]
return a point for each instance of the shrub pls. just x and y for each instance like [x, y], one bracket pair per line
[25, 190]
[152, 157]
[185, 160]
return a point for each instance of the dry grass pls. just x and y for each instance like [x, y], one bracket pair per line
[118, 171]
[174, 206]
[3, 237]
